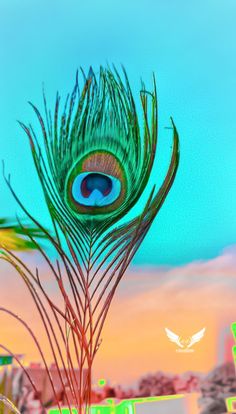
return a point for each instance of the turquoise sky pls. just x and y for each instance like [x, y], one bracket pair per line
[190, 45]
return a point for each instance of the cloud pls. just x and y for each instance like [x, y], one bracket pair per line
[218, 271]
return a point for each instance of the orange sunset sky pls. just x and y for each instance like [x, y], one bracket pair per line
[185, 299]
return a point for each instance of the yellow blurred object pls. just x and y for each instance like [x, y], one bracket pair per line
[19, 236]
[10, 240]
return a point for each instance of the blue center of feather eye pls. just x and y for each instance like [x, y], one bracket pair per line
[95, 189]
[95, 181]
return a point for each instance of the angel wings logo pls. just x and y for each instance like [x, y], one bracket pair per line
[185, 344]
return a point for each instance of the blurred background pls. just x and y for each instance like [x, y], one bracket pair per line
[184, 275]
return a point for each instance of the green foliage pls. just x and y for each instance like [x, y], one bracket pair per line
[13, 236]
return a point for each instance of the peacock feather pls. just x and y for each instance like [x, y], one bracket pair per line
[98, 158]
[94, 164]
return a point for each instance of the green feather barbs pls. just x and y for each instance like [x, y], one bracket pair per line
[98, 159]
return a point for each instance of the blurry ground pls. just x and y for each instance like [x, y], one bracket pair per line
[207, 392]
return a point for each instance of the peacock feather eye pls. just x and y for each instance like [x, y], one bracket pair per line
[95, 189]
[96, 184]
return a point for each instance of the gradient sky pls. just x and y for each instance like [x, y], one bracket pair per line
[183, 276]
[184, 299]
